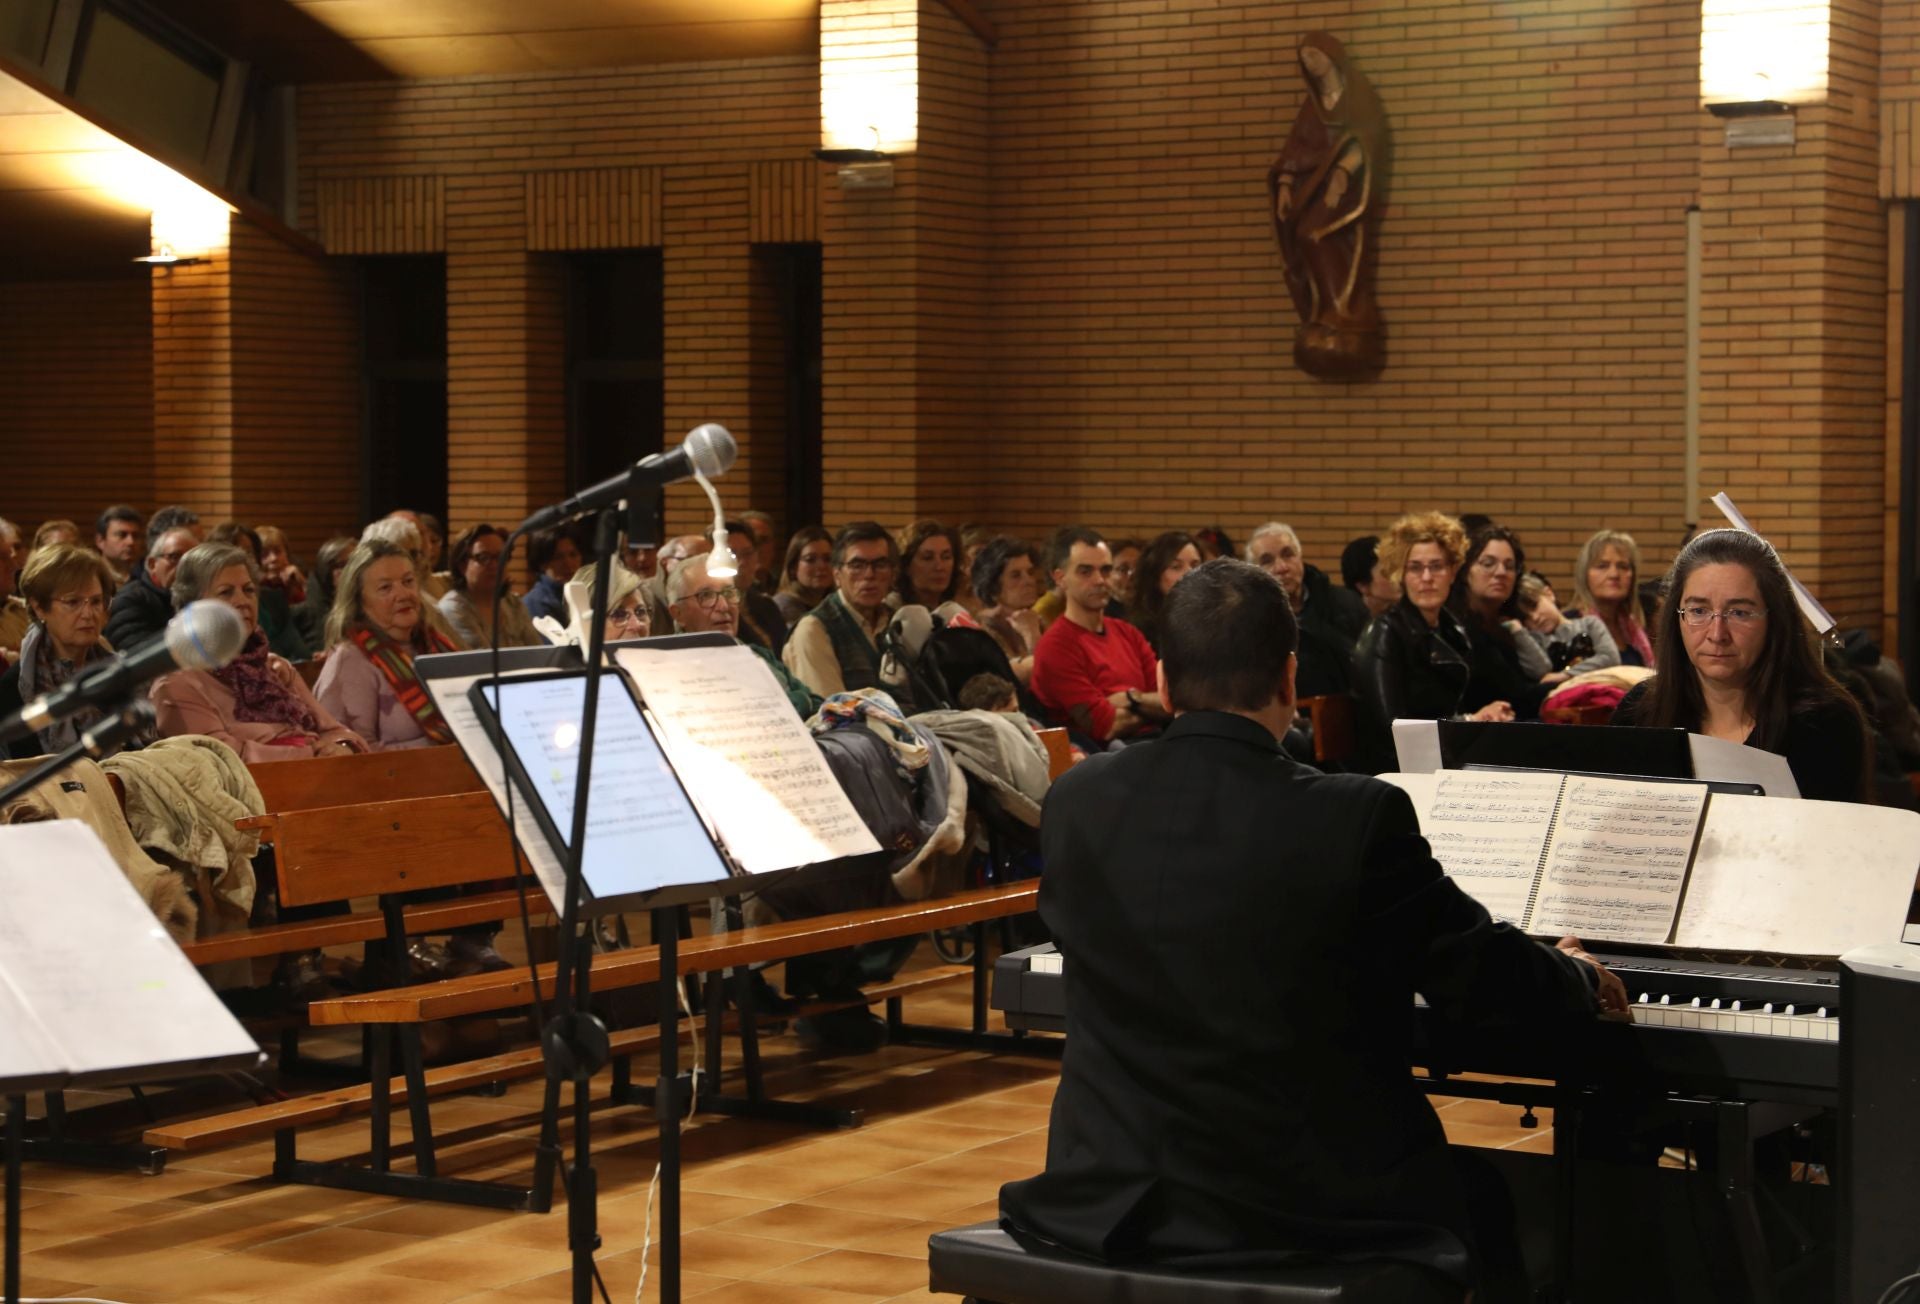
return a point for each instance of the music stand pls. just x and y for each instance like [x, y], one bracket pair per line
[1566, 748]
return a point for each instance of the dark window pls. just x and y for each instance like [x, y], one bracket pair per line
[791, 273]
[616, 347]
[24, 25]
[138, 70]
[403, 331]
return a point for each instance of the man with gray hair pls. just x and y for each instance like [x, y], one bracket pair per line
[703, 603]
[1331, 617]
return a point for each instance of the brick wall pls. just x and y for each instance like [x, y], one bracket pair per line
[76, 365]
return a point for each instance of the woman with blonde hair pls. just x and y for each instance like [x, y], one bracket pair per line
[1415, 661]
[1606, 584]
[378, 626]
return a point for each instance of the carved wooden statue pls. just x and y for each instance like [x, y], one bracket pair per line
[1328, 188]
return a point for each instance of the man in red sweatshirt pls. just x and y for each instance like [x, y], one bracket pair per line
[1093, 672]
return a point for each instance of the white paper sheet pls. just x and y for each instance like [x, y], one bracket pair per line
[1716, 758]
[1487, 830]
[1416, 745]
[1810, 607]
[747, 757]
[93, 981]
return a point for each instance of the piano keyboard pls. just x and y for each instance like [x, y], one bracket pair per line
[1761, 1019]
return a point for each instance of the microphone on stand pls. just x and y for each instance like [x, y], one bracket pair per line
[708, 450]
[203, 636]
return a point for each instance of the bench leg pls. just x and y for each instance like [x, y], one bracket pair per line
[418, 1111]
[380, 1125]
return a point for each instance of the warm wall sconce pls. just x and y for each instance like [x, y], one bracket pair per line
[870, 76]
[1758, 59]
[163, 255]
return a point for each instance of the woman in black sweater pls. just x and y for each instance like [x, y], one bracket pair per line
[1734, 661]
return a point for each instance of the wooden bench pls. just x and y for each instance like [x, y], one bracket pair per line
[403, 1010]
[1334, 736]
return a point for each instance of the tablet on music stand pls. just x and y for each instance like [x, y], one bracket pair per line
[646, 843]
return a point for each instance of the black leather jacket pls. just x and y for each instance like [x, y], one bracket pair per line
[1405, 669]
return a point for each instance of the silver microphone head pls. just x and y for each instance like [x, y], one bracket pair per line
[710, 448]
[205, 635]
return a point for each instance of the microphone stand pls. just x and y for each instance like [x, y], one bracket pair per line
[99, 742]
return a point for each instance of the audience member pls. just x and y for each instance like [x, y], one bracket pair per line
[311, 615]
[376, 629]
[629, 613]
[257, 703]
[766, 550]
[1213, 541]
[118, 535]
[143, 608]
[1507, 665]
[1363, 575]
[836, 646]
[807, 574]
[1163, 563]
[553, 557]
[1414, 662]
[67, 589]
[1093, 672]
[1006, 578]
[1734, 661]
[1604, 585]
[277, 570]
[276, 613]
[54, 534]
[929, 572]
[14, 616]
[706, 604]
[402, 530]
[173, 516]
[1275, 548]
[10, 534]
[1575, 644]
[973, 537]
[469, 604]
[760, 620]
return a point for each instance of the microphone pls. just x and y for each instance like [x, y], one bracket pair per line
[203, 636]
[708, 450]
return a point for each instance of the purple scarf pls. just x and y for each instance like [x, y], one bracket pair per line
[259, 698]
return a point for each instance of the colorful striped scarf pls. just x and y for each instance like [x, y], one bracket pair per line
[395, 662]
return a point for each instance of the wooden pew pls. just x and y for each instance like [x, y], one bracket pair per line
[1059, 752]
[404, 1009]
[1334, 738]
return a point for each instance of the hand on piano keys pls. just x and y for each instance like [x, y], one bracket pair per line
[1612, 993]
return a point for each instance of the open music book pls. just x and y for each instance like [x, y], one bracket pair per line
[1651, 862]
[92, 989]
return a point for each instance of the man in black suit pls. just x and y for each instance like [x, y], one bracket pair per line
[1242, 939]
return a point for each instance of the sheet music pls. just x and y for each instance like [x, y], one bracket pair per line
[1486, 830]
[99, 981]
[747, 757]
[450, 695]
[29, 1058]
[1618, 863]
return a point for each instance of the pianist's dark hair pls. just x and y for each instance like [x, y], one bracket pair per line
[1788, 676]
[1225, 635]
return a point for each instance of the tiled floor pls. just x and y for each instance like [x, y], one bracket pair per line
[770, 1212]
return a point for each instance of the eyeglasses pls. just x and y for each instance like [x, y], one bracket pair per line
[1429, 567]
[705, 598]
[1123, 568]
[71, 605]
[484, 558]
[861, 566]
[630, 616]
[1736, 617]
[1493, 564]
[170, 556]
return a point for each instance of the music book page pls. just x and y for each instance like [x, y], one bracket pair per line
[747, 757]
[1487, 830]
[91, 977]
[1617, 860]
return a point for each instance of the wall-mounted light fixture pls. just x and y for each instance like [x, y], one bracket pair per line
[1758, 60]
[164, 255]
[869, 88]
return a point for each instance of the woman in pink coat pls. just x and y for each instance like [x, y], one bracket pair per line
[257, 704]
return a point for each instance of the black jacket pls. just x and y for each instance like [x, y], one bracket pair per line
[1334, 608]
[140, 610]
[1405, 669]
[10, 702]
[1243, 938]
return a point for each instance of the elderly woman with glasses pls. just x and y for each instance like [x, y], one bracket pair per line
[474, 589]
[257, 703]
[67, 589]
[1733, 660]
[1415, 661]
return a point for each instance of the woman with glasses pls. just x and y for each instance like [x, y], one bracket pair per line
[472, 589]
[67, 589]
[1732, 660]
[1415, 661]
[1507, 664]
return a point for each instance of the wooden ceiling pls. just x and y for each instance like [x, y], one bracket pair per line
[302, 41]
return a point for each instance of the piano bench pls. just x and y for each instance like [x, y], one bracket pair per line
[986, 1264]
